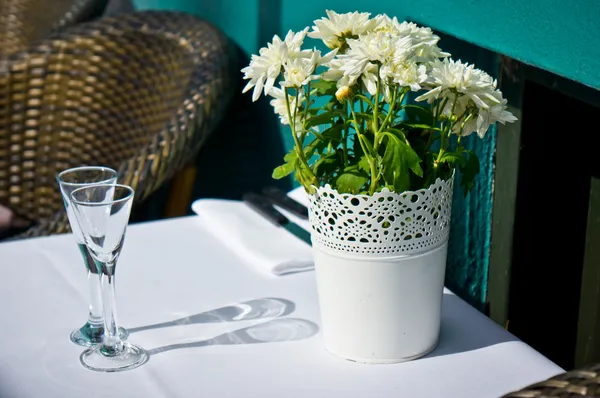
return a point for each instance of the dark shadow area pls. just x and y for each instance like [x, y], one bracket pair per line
[459, 334]
[551, 214]
[274, 331]
[116, 7]
[241, 155]
[238, 157]
[262, 308]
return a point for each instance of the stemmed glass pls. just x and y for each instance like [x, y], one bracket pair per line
[102, 212]
[91, 333]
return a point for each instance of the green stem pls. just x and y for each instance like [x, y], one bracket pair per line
[323, 138]
[404, 91]
[365, 99]
[463, 124]
[451, 124]
[298, 146]
[362, 110]
[444, 133]
[389, 116]
[345, 135]
[441, 152]
[374, 177]
[359, 135]
[307, 102]
[367, 151]
[438, 110]
[429, 140]
[372, 165]
[376, 108]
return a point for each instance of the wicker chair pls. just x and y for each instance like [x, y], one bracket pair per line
[23, 22]
[574, 384]
[138, 92]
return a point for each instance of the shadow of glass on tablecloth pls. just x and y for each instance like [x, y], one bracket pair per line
[461, 334]
[274, 331]
[255, 309]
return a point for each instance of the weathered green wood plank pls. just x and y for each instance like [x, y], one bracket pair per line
[506, 173]
[588, 330]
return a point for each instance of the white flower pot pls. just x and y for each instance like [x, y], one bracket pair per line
[380, 264]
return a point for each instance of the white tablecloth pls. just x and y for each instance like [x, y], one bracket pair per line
[204, 316]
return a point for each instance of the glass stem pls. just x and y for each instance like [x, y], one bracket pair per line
[112, 343]
[95, 309]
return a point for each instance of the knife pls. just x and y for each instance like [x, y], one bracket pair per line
[263, 206]
[280, 198]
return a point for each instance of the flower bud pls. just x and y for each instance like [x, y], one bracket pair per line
[343, 93]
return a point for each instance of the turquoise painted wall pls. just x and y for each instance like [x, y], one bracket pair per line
[557, 35]
[238, 18]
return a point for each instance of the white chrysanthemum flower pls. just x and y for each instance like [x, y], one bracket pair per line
[386, 24]
[495, 113]
[336, 28]
[405, 74]
[482, 119]
[325, 59]
[280, 107]
[498, 112]
[468, 91]
[424, 42]
[295, 40]
[266, 67]
[369, 78]
[375, 47]
[336, 74]
[451, 76]
[299, 71]
[363, 58]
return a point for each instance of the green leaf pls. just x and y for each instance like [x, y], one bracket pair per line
[363, 164]
[334, 132]
[324, 86]
[397, 160]
[453, 158]
[398, 133]
[284, 170]
[360, 116]
[418, 114]
[316, 146]
[369, 116]
[331, 105]
[469, 171]
[302, 175]
[419, 126]
[288, 167]
[351, 182]
[327, 164]
[291, 156]
[323, 118]
[361, 138]
[365, 99]
[409, 156]
[356, 147]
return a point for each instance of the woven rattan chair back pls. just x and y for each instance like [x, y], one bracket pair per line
[136, 92]
[574, 384]
[23, 22]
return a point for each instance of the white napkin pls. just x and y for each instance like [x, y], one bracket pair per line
[268, 248]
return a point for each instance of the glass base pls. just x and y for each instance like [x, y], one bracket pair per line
[131, 357]
[89, 335]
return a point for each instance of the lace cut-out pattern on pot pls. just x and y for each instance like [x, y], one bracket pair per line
[383, 224]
